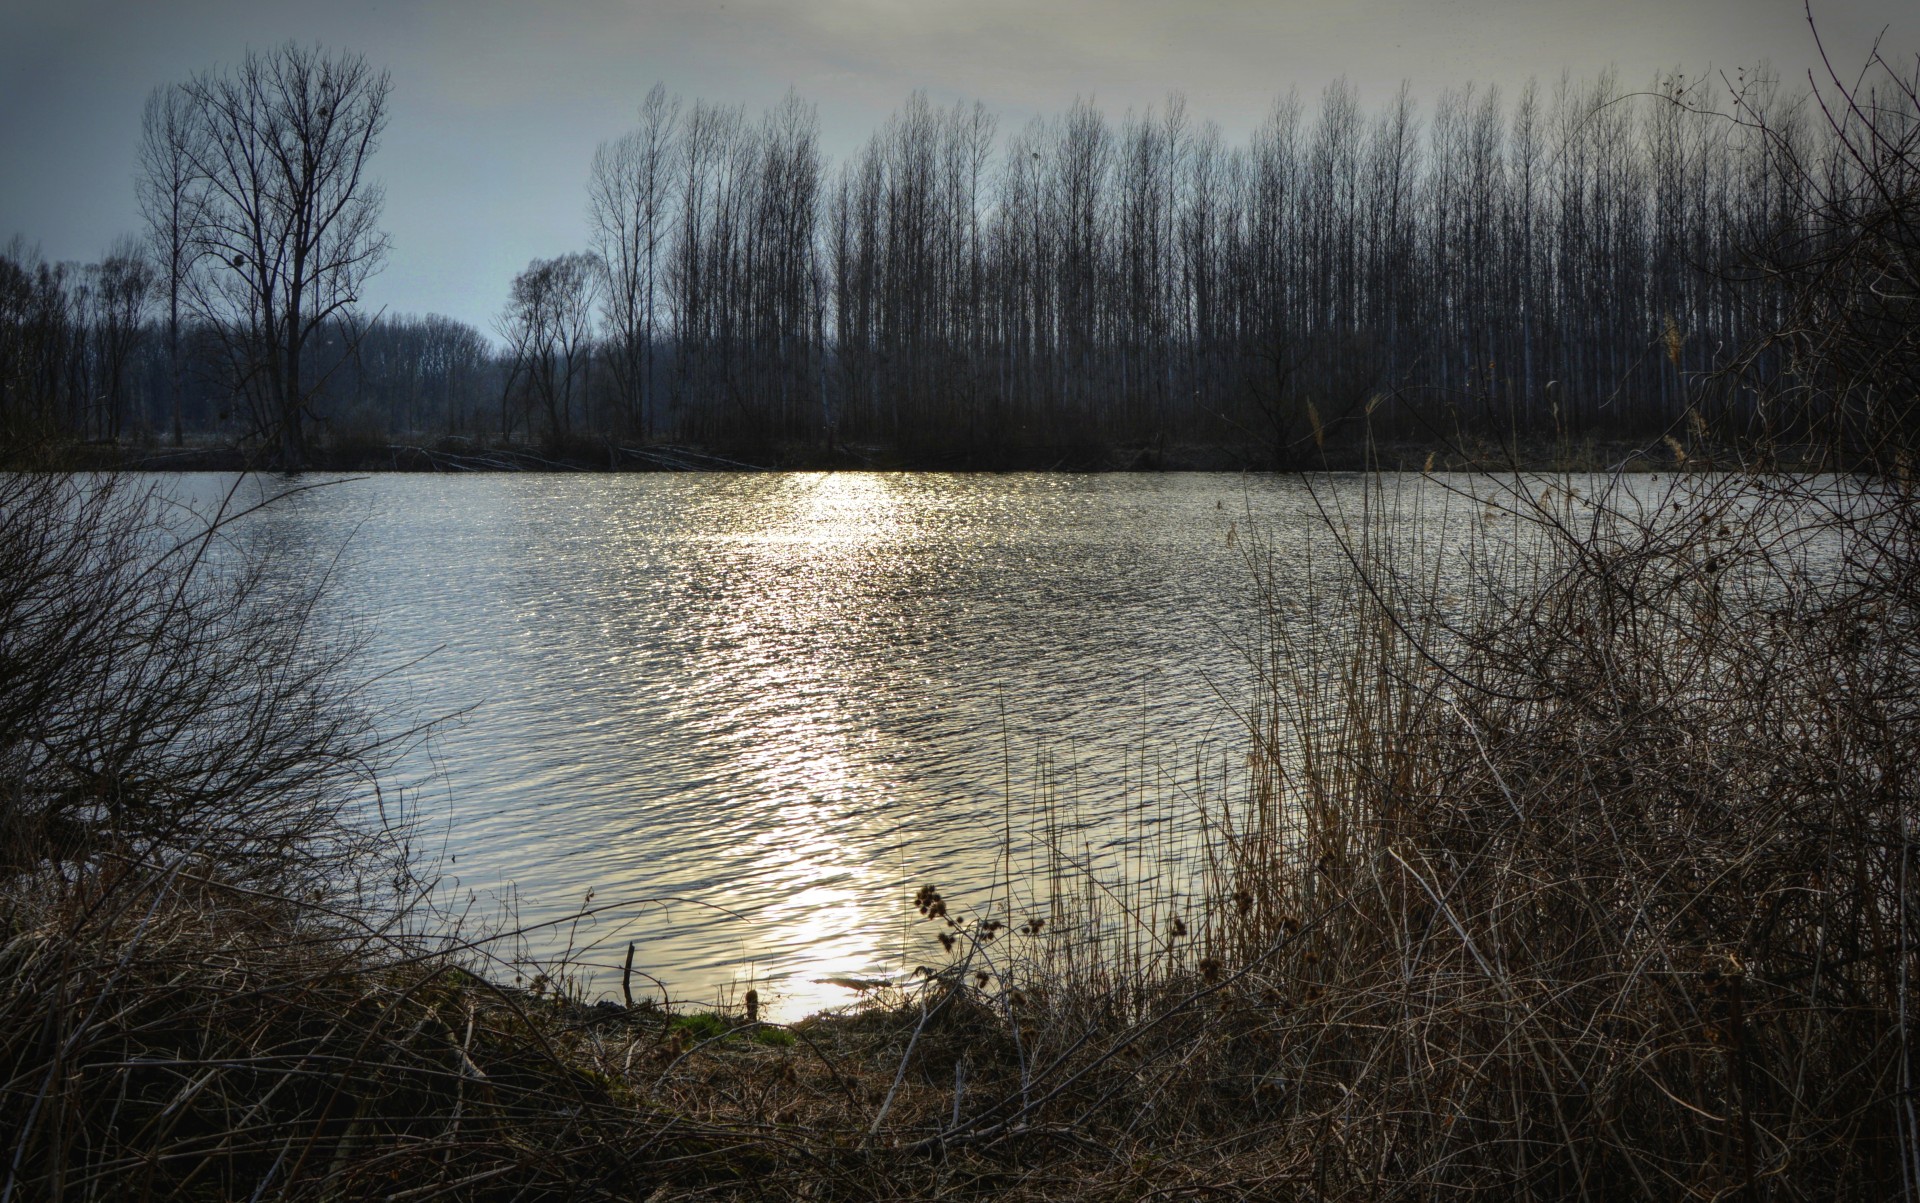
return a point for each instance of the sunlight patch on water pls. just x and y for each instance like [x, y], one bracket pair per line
[786, 701]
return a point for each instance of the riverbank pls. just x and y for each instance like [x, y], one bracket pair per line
[468, 455]
[216, 1044]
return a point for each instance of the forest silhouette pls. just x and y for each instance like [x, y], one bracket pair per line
[1576, 261]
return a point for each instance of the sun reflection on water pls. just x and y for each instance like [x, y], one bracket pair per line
[797, 697]
[814, 798]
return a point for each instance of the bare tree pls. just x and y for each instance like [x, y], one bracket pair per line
[119, 287]
[628, 196]
[1843, 237]
[780, 281]
[172, 199]
[290, 214]
[40, 333]
[548, 325]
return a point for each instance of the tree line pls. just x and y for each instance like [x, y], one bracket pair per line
[1571, 259]
[1575, 258]
[84, 356]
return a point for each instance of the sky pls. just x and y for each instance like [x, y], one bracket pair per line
[497, 105]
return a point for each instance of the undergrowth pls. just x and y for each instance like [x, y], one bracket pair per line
[1580, 866]
[1574, 861]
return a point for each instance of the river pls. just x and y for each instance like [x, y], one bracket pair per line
[748, 716]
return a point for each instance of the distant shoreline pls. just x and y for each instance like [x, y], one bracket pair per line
[450, 457]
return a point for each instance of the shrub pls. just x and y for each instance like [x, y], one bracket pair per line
[164, 694]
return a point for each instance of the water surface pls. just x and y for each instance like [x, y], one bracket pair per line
[786, 701]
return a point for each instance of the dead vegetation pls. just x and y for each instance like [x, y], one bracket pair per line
[1588, 879]
[1580, 867]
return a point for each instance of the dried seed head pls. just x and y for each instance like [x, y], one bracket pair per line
[929, 903]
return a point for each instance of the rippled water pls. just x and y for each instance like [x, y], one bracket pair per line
[796, 697]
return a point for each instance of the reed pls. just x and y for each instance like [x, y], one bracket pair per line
[1574, 864]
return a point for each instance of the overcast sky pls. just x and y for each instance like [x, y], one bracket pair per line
[497, 105]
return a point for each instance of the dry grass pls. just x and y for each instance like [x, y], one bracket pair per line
[1614, 864]
[1591, 879]
[1583, 871]
[1577, 865]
